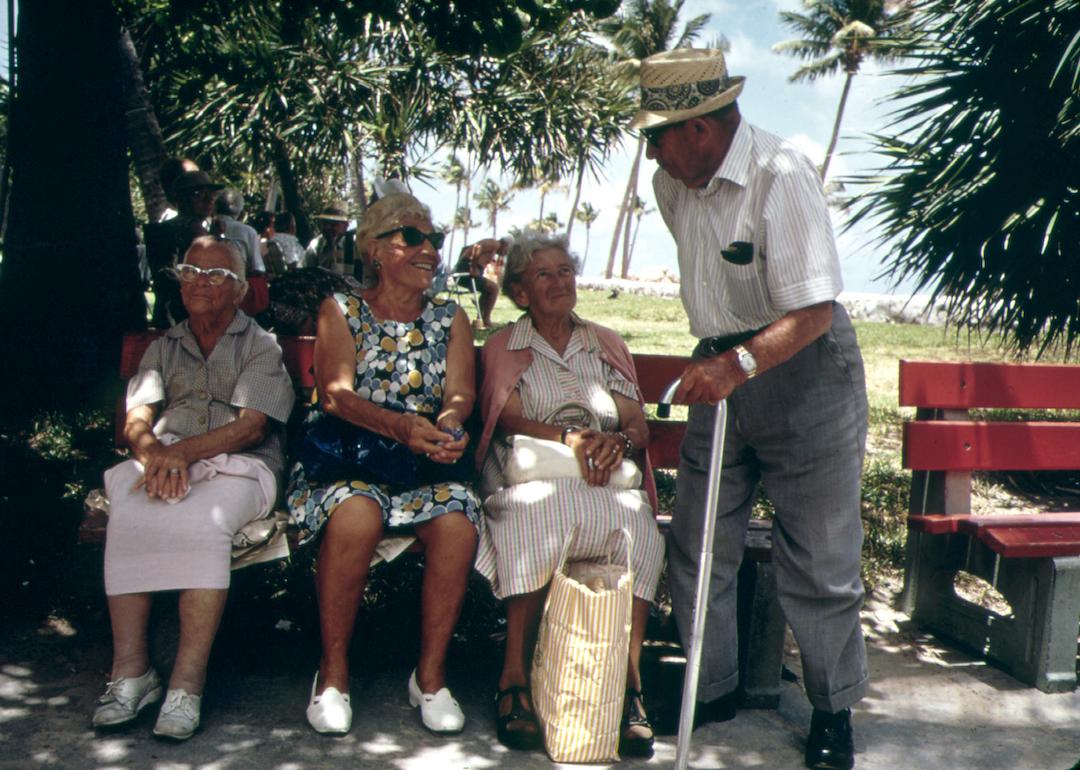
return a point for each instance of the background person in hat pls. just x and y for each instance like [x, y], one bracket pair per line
[759, 275]
[193, 192]
[334, 247]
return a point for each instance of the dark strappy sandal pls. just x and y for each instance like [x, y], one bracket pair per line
[517, 738]
[631, 741]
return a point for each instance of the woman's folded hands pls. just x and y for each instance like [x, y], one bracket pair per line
[598, 453]
[165, 470]
[444, 443]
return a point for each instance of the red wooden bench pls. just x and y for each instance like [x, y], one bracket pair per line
[761, 621]
[1031, 558]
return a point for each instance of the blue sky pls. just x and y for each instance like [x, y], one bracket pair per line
[803, 113]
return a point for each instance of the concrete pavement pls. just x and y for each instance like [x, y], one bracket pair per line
[929, 708]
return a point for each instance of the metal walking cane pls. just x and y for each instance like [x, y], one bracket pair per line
[701, 598]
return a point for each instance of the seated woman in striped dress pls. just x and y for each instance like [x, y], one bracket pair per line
[549, 357]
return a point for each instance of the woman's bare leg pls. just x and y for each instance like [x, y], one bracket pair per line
[129, 615]
[349, 541]
[200, 615]
[449, 547]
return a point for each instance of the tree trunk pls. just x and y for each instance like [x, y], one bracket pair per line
[836, 125]
[585, 258]
[360, 194]
[143, 131]
[69, 282]
[624, 209]
[290, 190]
[457, 205]
[577, 200]
[633, 241]
[468, 198]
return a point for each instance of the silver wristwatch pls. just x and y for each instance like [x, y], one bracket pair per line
[746, 361]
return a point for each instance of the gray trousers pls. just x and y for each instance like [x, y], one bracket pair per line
[800, 430]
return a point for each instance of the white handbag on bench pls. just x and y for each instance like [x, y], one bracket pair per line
[538, 459]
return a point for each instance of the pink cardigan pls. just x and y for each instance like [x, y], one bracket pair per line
[503, 368]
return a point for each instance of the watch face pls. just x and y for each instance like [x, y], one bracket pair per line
[746, 360]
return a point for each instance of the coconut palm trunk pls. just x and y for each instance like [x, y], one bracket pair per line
[836, 125]
[624, 208]
[577, 199]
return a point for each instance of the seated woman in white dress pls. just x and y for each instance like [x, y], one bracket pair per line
[548, 358]
[205, 420]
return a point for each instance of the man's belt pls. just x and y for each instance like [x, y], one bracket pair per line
[709, 347]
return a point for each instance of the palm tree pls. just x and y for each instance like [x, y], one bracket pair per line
[640, 210]
[840, 35]
[586, 214]
[644, 28]
[977, 198]
[493, 199]
[454, 173]
[462, 219]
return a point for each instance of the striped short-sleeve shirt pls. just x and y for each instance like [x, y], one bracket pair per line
[243, 371]
[795, 263]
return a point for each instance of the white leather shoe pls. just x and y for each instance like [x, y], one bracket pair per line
[179, 716]
[125, 698]
[440, 713]
[329, 713]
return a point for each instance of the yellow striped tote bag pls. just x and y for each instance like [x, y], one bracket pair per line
[579, 666]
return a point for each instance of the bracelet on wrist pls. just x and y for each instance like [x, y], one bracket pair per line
[567, 431]
[628, 445]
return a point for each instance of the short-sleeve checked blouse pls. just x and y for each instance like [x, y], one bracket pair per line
[243, 371]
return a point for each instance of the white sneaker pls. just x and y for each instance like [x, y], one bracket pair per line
[179, 716]
[329, 713]
[125, 698]
[440, 713]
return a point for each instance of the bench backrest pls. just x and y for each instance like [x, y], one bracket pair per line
[655, 372]
[943, 437]
[943, 445]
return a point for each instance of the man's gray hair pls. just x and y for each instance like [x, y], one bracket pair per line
[236, 254]
[521, 254]
[230, 202]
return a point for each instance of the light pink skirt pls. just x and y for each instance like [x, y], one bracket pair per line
[153, 545]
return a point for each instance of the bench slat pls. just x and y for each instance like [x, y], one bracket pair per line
[1027, 542]
[972, 446]
[936, 524]
[969, 384]
[973, 525]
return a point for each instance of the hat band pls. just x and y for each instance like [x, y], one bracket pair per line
[684, 96]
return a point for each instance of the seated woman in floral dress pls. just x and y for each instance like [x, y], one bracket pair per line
[401, 365]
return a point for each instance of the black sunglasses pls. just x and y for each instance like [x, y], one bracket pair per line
[652, 135]
[414, 237]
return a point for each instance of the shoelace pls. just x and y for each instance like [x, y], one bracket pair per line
[112, 693]
[181, 703]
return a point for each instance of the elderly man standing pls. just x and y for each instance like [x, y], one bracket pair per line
[759, 276]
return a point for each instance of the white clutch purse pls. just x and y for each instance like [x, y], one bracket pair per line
[539, 459]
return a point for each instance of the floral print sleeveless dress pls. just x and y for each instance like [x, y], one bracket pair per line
[399, 366]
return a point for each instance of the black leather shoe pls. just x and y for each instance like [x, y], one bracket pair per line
[831, 745]
[721, 709]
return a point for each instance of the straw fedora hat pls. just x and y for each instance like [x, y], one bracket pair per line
[337, 211]
[682, 84]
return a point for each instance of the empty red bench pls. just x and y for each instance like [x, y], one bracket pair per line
[1032, 558]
